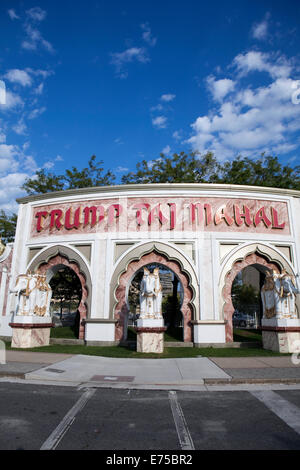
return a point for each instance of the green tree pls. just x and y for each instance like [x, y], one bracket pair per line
[194, 168]
[244, 296]
[43, 182]
[180, 168]
[7, 226]
[264, 171]
[92, 175]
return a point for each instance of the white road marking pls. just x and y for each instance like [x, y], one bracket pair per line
[288, 412]
[58, 433]
[183, 432]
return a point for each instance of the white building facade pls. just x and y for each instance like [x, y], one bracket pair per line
[205, 233]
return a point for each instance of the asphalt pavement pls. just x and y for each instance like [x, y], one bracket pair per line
[47, 417]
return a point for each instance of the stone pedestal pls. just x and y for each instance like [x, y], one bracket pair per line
[281, 335]
[150, 335]
[30, 331]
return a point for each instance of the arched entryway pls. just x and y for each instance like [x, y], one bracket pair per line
[123, 280]
[51, 261]
[65, 301]
[263, 258]
[172, 298]
[246, 298]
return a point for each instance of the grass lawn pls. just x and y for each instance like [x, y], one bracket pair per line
[247, 335]
[130, 352]
[170, 335]
[63, 332]
[126, 352]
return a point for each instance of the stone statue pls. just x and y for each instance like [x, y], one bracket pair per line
[43, 296]
[157, 300]
[150, 295]
[279, 295]
[2, 247]
[268, 296]
[34, 295]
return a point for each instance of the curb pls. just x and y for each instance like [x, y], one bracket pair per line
[16, 375]
[231, 381]
[250, 381]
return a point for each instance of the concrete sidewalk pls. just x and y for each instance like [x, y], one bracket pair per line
[105, 371]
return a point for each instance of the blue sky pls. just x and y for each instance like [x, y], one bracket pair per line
[128, 80]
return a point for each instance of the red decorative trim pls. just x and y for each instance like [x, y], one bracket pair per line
[150, 330]
[121, 308]
[283, 329]
[28, 326]
[61, 259]
[238, 266]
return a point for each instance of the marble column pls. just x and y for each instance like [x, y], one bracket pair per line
[30, 331]
[150, 335]
[281, 335]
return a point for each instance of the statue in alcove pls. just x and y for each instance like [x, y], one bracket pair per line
[151, 295]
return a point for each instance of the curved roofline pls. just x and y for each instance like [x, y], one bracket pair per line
[158, 186]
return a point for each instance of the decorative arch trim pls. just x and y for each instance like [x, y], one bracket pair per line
[172, 254]
[136, 258]
[250, 254]
[55, 255]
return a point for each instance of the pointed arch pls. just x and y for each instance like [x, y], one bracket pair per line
[147, 253]
[261, 254]
[50, 259]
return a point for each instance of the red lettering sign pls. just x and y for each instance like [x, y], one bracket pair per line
[40, 216]
[170, 215]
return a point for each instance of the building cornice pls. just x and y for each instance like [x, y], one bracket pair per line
[134, 188]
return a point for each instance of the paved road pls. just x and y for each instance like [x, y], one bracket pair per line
[48, 417]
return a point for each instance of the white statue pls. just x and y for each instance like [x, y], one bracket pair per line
[43, 296]
[157, 300]
[279, 295]
[34, 295]
[150, 295]
[268, 296]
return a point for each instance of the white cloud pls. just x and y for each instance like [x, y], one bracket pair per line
[158, 107]
[177, 135]
[34, 40]
[10, 189]
[39, 72]
[119, 59]
[262, 62]
[167, 97]
[39, 89]
[20, 128]
[121, 169]
[166, 150]
[36, 112]
[36, 14]
[18, 76]
[29, 163]
[15, 166]
[260, 30]
[48, 165]
[219, 88]
[147, 35]
[12, 14]
[160, 122]
[12, 101]
[250, 120]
